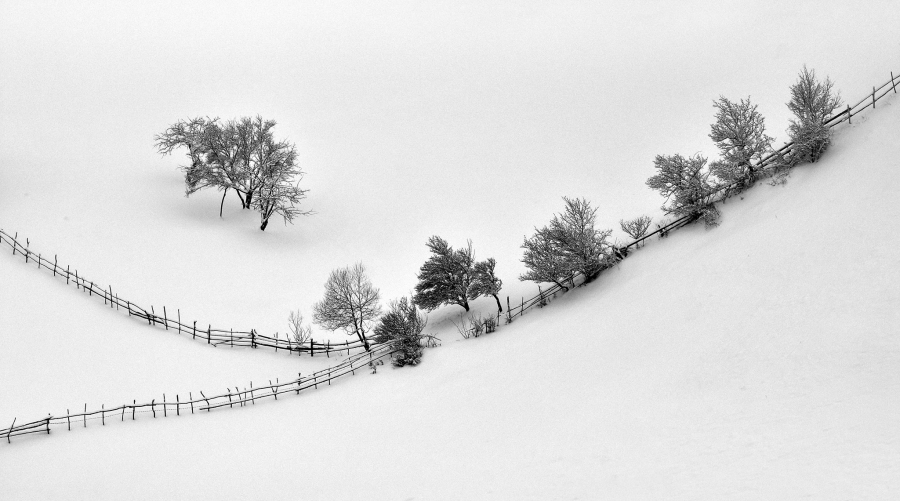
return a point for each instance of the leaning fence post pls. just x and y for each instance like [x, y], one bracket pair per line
[179, 320]
[894, 85]
[14, 424]
[165, 317]
[873, 97]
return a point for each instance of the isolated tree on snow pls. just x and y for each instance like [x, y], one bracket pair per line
[485, 282]
[740, 135]
[570, 245]
[351, 302]
[812, 102]
[637, 227]
[402, 324]
[685, 182]
[446, 275]
[240, 155]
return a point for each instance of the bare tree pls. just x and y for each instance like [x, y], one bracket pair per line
[637, 227]
[299, 332]
[351, 302]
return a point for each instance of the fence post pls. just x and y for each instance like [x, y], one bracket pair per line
[849, 115]
[252, 398]
[191, 396]
[873, 97]
[68, 421]
[328, 348]
[894, 85]
[103, 414]
[208, 333]
[84, 416]
[231, 337]
[165, 414]
[508, 311]
[13, 425]
[67, 274]
[133, 407]
[311, 347]
[54, 262]
[49, 417]
[153, 407]
[165, 317]
[195, 330]
[177, 404]
[179, 320]
[151, 318]
[27, 252]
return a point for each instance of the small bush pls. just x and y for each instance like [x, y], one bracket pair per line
[403, 324]
[637, 227]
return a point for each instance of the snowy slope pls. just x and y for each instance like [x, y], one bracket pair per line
[754, 361]
[757, 360]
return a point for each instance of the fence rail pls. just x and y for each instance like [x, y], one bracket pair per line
[720, 194]
[238, 397]
[211, 335]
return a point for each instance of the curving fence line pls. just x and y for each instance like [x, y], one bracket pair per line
[238, 397]
[719, 194]
[210, 335]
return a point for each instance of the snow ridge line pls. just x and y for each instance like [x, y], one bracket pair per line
[213, 337]
[720, 194]
[236, 398]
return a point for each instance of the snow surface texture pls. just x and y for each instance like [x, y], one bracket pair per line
[754, 361]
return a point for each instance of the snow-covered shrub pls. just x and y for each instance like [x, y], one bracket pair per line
[685, 182]
[403, 324]
[740, 134]
[812, 102]
[568, 246]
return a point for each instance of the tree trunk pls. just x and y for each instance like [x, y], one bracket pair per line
[249, 199]
[264, 224]
[365, 342]
[221, 205]
[465, 304]
[499, 306]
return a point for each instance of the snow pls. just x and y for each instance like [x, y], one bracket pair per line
[756, 360]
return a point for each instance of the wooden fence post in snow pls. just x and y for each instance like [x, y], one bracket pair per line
[165, 317]
[195, 330]
[133, 407]
[165, 414]
[208, 333]
[49, 417]
[84, 416]
[894, 85]
[177, 403]
[68, 421]
[179, 320]
[873, 97]
[10, 431]
[153, 407]
[191, 397]
[151, 318]
[849, 115]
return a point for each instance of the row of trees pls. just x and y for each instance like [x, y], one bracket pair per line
[691, 185]
[570, 245]
[241, 156]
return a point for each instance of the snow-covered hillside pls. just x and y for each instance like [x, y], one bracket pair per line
[757, 360]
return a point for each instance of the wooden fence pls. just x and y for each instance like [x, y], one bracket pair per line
[209, 334]
[237, 397]
[719, 194]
